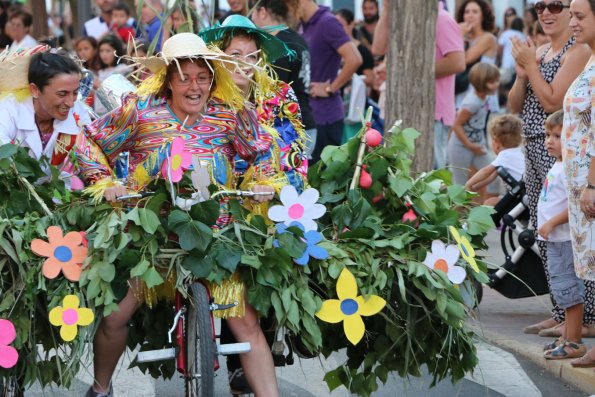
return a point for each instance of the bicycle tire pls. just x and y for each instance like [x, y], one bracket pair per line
[200, 345]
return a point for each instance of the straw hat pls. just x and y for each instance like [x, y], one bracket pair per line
[273, 47]
[14, 67]
[181, 45]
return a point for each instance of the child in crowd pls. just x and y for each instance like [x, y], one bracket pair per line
[120, 27]
[86, 50]
[505, 131]
[110, 50]
[552, 222]
[467, 146]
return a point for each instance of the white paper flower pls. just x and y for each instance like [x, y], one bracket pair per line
[444, 258]
[300, 208]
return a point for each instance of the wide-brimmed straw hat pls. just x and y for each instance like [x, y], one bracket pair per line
[179, 46]
[273, 47]
[14, 68]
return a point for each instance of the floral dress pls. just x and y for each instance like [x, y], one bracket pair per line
[578, 140]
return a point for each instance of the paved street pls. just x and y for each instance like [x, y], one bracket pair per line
[499, 374]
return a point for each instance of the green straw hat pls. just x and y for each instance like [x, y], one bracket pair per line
[269, 44]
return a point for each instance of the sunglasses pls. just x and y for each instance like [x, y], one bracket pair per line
[555, 7]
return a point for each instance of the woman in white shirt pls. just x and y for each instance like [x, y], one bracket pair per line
[20, 26]
[40, 111]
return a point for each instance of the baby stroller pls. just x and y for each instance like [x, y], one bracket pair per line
[522, 275]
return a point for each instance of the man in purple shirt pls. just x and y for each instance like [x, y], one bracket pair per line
[329, 45]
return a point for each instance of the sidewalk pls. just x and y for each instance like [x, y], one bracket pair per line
[500, 321]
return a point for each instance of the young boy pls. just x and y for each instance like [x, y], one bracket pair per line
[120, 27]
[506, 133]
[552, 226]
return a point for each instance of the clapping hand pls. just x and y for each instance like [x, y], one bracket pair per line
[524, 52]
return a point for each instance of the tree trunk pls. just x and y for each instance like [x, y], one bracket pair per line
[410, 73]
[40, 19]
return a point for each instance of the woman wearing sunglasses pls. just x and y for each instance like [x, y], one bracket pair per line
[543, 77]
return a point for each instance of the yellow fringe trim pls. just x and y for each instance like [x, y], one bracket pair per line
[150, 296]
[140, 176]
[19, 95]
[253, 177]
[62, 143]
[97, 190]
[229, 291]
[152, 85]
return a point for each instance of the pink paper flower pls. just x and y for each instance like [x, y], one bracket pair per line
[8, 354]
[179, 160]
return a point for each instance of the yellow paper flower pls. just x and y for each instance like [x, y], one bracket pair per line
[70, 316]
[465, 248]
[350, 307]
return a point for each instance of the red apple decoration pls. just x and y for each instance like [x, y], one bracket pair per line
[365, 179]
[372, 138]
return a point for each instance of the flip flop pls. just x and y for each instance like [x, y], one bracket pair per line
[566, 350]
[554, 344]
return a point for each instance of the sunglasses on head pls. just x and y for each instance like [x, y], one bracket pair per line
[555, 7]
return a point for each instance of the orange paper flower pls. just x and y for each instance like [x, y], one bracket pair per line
[64, 253]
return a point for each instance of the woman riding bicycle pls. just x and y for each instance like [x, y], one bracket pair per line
[182, 99]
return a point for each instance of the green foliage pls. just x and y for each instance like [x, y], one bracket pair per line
[422, 323]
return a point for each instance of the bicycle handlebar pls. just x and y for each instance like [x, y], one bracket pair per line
[223, 193]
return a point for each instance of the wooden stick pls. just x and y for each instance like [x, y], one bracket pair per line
[362, 148]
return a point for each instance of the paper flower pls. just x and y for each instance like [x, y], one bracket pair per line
[64, 253]
[298, 208]
[465, 248]
[349, 307]
[8, 354]
[178, 160]
[70, 316]
[444, 258]
[311, 238]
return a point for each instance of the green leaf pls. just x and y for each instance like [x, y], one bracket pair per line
[152, 277]
[107, 272]
[480, 220]
[251, 260]
[8, 150]
[192, 234]
[293, 314]
[140, 268]
[148, 220]
[400, 184]
[206, 212]
[200, 266]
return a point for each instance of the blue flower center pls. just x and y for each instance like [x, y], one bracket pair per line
[63, 253]
[349, 307]
[464, 250]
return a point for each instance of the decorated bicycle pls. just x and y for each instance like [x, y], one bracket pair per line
[381, 271]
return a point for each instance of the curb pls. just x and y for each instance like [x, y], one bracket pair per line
[580, 378]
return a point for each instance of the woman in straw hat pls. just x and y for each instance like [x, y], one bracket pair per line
[39, 108]
[179, 100]
[277, 107]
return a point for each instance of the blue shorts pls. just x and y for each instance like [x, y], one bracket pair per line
[567, 289]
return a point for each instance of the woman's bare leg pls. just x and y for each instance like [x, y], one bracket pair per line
[110, 341]
[258, 363]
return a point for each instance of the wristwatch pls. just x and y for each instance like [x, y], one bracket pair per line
[589, 186]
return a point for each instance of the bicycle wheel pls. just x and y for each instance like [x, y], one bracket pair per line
[200, 345]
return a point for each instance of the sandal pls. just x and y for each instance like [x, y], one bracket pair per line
[566, 350]
[554, 344]
[585, 361]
